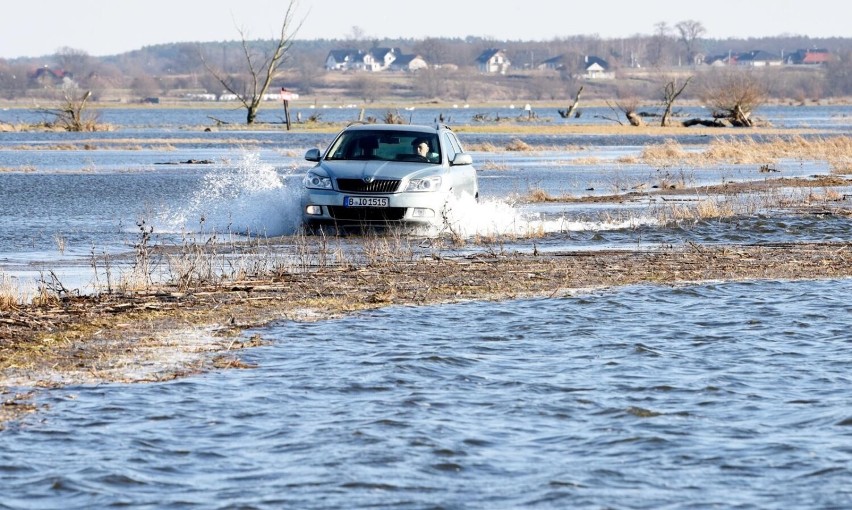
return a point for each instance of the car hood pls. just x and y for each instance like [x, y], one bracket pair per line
[376, 170]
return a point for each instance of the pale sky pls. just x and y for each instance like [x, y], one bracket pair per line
[108, 27]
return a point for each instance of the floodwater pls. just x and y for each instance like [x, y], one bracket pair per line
[731, 395]
[728, 395]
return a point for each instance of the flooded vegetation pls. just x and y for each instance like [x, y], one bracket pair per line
[645, 317]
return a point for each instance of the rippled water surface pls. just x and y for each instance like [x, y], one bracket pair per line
[733, 395]
[721, 395]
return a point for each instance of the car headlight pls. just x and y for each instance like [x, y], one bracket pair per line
[426, 184]
[316, 181]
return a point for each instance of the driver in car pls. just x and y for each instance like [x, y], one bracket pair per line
[421, 148]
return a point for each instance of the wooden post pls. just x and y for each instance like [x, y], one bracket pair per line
[287, 114]
[286, 96]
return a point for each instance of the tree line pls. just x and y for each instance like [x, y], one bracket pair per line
[654, 67]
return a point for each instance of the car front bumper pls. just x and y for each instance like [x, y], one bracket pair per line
[328, 207]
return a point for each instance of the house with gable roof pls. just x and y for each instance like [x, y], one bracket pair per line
[596, 68]
[375, 60]
[758, 58]
[809, 57]
[379, 59]
[557, 63]
[343, 59]
[493, 60]
[408, 63]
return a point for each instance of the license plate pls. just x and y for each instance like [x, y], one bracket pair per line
[365, 201]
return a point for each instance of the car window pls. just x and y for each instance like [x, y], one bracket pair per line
[384, 146]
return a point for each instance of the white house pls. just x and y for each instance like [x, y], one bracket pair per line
[493, 60]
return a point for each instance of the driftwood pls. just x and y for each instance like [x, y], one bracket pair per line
[704, 122]
[566, 114]
[219, 122]
[634, 119]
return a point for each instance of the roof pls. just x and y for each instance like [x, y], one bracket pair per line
[404, 60]
[591, 60]
[379, 53]
[486, 55]
[559, 59]
[345, 54]
[757, 56]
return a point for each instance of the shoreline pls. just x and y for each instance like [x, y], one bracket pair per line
[165, 333]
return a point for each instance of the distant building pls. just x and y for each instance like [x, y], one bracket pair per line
[811, 57]
[378, 59]
[375, 60]
[759, 58]
[721, 60]
[343, 59]
[408, 63]
[596, 68]
[558, 63]
[493, 60]
[47, 77]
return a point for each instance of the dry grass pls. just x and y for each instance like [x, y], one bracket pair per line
[10, 294]
[518, 145]
[482, 147]
[709, 208]
[537, 196]
[664, 155]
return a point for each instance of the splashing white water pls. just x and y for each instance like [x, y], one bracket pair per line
[496, 217]
[249, 199]
[254, 199]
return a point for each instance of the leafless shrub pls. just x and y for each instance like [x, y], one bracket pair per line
[72, 114]
[668, 153]
[518, 145]
[734, 95]
[538, 195]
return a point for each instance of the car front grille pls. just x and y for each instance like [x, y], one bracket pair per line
[366, 214]
[359, 186]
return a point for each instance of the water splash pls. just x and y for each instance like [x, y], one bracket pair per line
[251, 198]
[499, 217]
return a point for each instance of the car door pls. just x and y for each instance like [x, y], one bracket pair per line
[464, 176]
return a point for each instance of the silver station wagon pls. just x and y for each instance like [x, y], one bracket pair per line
[386, 174]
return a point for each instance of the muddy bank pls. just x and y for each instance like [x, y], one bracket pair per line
[165, 333]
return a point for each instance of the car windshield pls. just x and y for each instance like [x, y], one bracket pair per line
[409, 146]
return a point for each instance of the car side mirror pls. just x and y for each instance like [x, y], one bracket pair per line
[312, 155]
[462, 158]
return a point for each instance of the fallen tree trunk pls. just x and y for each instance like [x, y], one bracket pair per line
[704, 122]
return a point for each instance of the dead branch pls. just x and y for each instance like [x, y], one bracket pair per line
[567, 114]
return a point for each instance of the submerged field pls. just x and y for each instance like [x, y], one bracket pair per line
[209, 241]
[627, 318]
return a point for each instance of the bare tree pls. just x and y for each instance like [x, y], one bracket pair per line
[690, 31]
[671, 91]
[734, 96]
[72, 115]
[261, 69]
[659, 46]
